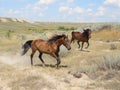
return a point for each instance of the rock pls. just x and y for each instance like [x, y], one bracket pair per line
[77, 75]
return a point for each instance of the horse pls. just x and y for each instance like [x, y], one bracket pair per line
[81, 37]
[50, 47]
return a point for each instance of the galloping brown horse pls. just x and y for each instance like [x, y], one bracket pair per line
[51, 47]
[81, 37]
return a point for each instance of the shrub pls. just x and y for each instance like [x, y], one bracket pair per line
[66, 28]
[106, 63]
[113, 47]
[63, 51]
[61, 28]
[8, 34]
[73, 28]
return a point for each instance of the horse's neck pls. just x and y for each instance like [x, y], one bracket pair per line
[57, 44]
[85, 35]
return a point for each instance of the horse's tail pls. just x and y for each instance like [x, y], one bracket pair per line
[72, 38]
[26, 46]
[72, 33]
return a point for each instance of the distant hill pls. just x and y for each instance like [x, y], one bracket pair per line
[15, 24]
[5, 20]
[22, 24]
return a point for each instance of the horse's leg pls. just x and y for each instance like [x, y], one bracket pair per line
[82, 46]
[32, 54]
[40, 57]
[87, 45]
[58, 61]
[56, 56]
[78, 42]
[72, 40]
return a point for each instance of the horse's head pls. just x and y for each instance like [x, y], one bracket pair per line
[87, 32]
[66, 42]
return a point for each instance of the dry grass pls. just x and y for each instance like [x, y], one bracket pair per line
[98, 65]
[25, 79]
[105, 35]
[104, 63]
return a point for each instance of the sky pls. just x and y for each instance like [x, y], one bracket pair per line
[62, 10]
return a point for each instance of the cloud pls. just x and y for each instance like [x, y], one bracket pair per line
[14, 13]
[32, 11]
[101, 11]
[112, 2]
[89, 10]
[40, 14]
[11, 11]
[65, 9]
[39, 7]
[45, 2]
[70, 1]
[78, 10]
[70, 10]
[20, 0]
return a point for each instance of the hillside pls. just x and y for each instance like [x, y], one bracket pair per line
[21, 24]
[15, 24]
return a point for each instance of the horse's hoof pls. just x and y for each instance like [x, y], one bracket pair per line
[43, 65]
[57, 67]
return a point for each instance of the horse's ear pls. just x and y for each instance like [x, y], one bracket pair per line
[84, 29]
[63, 34]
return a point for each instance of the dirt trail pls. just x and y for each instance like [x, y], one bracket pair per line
[60, 79]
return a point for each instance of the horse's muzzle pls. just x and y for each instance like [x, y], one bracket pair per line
[69, 48]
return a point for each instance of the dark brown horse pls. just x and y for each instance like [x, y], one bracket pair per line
[51, 47]
[81, 37]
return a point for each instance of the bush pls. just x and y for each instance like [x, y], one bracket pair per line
[107, 64]
[66, 28]
[8, 34]
[73, 28]
[61, 28]
[113, 47]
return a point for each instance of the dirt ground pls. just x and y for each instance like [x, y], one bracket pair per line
[16, 73]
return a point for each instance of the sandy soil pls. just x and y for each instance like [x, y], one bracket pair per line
[16, 73]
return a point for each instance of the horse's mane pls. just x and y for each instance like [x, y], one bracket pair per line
[86, 33]
[56, 37]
